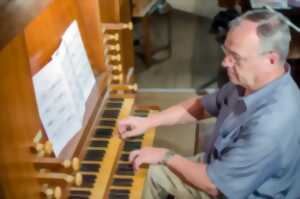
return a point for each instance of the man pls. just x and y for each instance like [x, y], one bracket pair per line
[254, 151]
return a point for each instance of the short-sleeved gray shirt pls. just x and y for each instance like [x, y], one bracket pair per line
[255, 152]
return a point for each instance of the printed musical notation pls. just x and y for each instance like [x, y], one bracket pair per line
[62, 87]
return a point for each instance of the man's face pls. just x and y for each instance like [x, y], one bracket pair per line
[242, 58]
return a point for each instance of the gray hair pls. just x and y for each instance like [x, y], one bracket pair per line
[272, 30]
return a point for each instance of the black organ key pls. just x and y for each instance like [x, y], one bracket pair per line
[118, 193]
[111, 123]
[110, 113]
[78, 197]
[113, 105]
[99, 143]
[141, 113]
[118, 196]
[94, 155]
[103, 133]
[89, 167]
[88, 180]
[123, 182]
[124, 157]
[80, 193]
[130, 146]
[125, 169]
[140, 137]
[116, 99]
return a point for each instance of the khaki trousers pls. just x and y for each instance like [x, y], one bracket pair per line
[161, 181]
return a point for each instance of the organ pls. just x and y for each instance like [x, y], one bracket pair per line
[94, 163]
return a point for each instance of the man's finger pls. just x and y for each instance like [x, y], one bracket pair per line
[122, 127]
[128, 134]
[138, 162]
[133, 155]
[121, 130]
[123, 133]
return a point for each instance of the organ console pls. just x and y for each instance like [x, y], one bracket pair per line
[94, 163]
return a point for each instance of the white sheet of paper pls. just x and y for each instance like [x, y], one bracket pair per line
[56, 105]
[82, 69]
[62, 56]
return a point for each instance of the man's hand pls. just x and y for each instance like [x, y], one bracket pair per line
[132, 126]
[147, 155]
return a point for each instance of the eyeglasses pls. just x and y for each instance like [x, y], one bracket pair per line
[235, 57]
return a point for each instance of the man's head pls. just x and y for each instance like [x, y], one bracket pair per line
[256, 48]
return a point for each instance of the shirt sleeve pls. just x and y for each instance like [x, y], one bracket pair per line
[210, 104]
[213, 102]
[246, 163]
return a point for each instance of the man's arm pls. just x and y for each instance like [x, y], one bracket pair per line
[191, 172]
[188, 111]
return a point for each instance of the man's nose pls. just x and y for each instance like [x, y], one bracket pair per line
[227, 62]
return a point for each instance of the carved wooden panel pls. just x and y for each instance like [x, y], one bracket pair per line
[19, 122]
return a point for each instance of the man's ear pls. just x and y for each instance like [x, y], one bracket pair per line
[273, 58]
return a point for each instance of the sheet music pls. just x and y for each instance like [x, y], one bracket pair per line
[62, 88]
[81, 66]
[63, 58]
[56, 106]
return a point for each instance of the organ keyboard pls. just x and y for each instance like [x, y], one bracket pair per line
[105, 168]
[105, 157]
[125, 183]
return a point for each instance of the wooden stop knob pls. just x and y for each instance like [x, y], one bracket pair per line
[48, 148]
[133, 87]
[49, 192]
[114, 47]
[67, 164]
[111, 37]
[69, 179]
[115, 57]
[117, 77]
[57, 192]
[128, 26]
[78, 179]
[114, 36]
[76, 164]
[117, 68]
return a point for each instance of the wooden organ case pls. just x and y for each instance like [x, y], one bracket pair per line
[94, 164]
